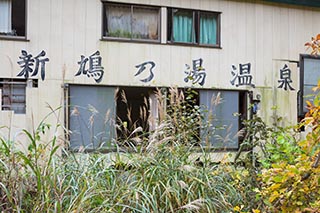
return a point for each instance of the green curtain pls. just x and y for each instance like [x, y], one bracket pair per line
[208, 29]
[183, 27]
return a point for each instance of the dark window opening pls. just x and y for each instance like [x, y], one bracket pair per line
[13, 18]
[133, 110]
[193, 27]
[131, 22]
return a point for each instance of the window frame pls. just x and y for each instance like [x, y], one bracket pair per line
[243, 110]
[114, 135]
[196, 27]
[12, 82]
[17, 37]
[301, 92]
[245, 98]
[68, 113]
[104, 24]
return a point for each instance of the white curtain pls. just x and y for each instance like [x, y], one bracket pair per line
[145, 23]
[119, 21]
[5, 16]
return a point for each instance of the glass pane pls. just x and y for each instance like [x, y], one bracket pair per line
[14, 97]
[118, 21]
[208, 28]
[311, 77]
[18, 17]
[19, 89]
[145, 23]
[18, 99]
[5, 17]
[19, 108]
[91, 116]
[311, 71]
[307, 96]
[183, 26]
[222, 115]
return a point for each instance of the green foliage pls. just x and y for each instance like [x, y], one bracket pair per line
[292, 183]
[286, 177]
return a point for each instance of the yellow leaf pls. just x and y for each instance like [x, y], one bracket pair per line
[275, 186]
[290, 174]
[237, 208]
[255, 211]
[309, 103]
[273, 196]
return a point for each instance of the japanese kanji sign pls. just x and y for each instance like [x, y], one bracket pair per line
[197, 74]
[285, 78]
[141, 68]
[95, 69]
[243, 77]
[27, 63]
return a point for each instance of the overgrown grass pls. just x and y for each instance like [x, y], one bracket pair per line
[161, 173]
[160, 176]
[164, 180]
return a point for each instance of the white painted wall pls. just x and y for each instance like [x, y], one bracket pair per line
[265, 34]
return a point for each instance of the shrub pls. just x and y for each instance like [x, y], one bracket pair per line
[292, 183]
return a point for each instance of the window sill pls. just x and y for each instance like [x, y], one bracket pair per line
[158, 42]
[14, 38]
[194, 45]
[130, 40]
[12, 111]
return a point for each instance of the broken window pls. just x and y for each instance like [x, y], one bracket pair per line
[104, 117]
[13, 18]
[109, 117]
[133, 110]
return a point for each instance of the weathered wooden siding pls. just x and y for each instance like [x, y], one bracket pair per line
[264, 34]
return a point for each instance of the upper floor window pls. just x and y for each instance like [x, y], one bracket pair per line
[131, 22]
[13, 18]
[193, 27]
